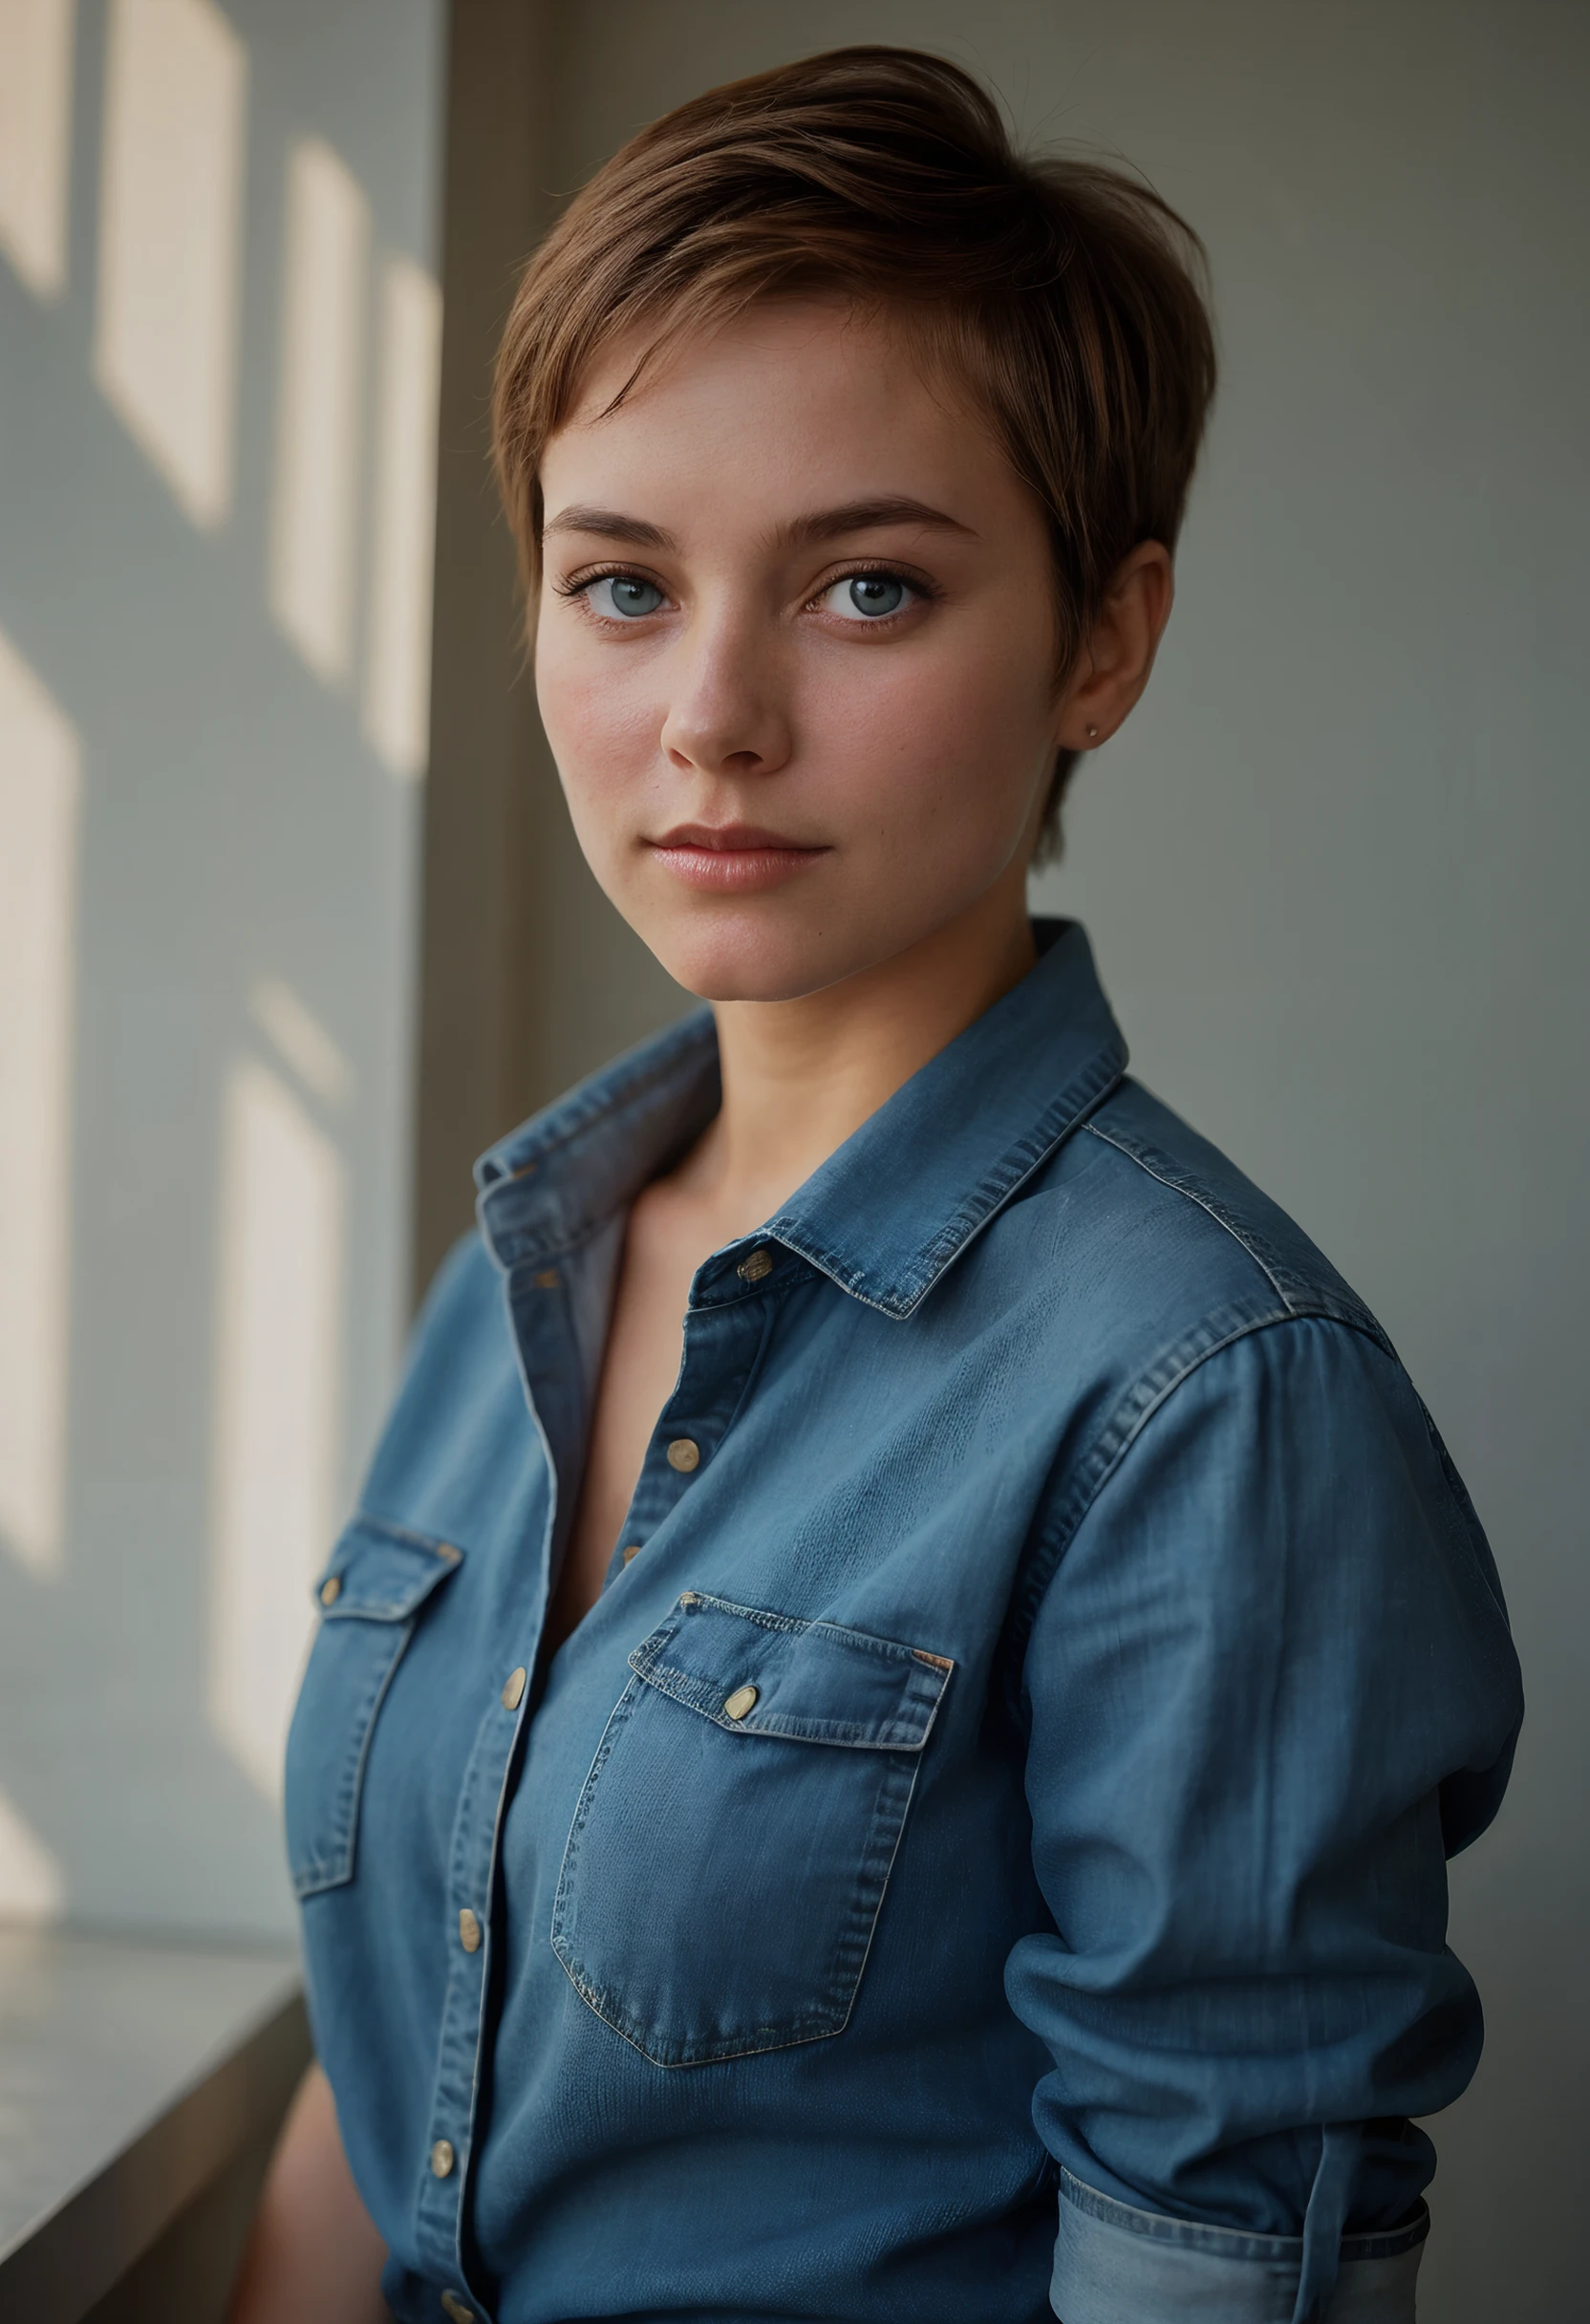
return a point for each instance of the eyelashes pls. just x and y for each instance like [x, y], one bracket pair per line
[863, 596]
[627, 595]
[581, 589]
[868, 600]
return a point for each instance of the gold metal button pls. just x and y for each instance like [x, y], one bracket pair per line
[514, 1689]
[443, 2158]
[689, 1599]
[684, 1453]
[455, 2308]
[754, 1268]
[743, 1700]
[469, 1928]
[632, 1551]
[547, 1280]
[330, 1590]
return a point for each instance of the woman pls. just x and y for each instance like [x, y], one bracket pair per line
[924, 1796]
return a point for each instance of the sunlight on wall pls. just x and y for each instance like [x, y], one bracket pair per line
[31, 1884]
[302, 1040]
[40, 783]
[36, 139]
[278, 1410]
[398, 672]
[165, 346]
[327, 251]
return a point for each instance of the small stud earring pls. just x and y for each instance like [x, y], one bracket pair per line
[1092, 734]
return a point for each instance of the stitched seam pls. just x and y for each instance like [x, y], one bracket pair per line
[995, 1191]
[515, 1249]
[775, 1729]
[610, 1101]
[794, 1626]
[777, 1283]
[753, 1369]
[335, 1869]
[685, 1686]
[438, 1547]
[1104, 1460]
[616, 1717]
[814, 2024]
[1238, 2243]
[1205, 1203]
[889, 1874]
[685, 2065]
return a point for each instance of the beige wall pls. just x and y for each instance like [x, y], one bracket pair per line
[1334, 866]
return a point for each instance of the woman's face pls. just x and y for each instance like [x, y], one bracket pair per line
[795, 652]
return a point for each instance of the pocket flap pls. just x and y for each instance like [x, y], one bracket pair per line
[755, 1673]
[380, 1572]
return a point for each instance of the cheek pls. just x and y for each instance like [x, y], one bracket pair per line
[599, 712]
[956, 735]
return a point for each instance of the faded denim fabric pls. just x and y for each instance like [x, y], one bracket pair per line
[986, 1846]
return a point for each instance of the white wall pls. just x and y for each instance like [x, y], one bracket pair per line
[217, 377]
[1335, 867]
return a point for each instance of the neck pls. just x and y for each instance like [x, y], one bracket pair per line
[800, 1076]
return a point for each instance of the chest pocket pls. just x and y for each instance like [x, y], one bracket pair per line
[733, 1839]
[370, 1597]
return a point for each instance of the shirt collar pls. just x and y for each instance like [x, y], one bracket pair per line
[905, 1195]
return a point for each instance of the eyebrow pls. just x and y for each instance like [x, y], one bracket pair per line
[865, 516]
[802, 532]
[611, 525]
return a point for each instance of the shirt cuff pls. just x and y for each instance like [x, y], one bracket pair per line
[1117, 2265]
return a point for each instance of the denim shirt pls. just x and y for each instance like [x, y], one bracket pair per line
[986, 1848]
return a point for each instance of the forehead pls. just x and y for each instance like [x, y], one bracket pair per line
[792, 399]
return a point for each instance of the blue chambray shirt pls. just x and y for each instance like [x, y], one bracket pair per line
[986, 1848]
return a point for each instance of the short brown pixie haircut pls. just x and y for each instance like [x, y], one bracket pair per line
[1062, 298]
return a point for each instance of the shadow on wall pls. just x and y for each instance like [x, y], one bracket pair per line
[219, 342]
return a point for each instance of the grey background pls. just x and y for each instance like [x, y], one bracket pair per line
[235, 825]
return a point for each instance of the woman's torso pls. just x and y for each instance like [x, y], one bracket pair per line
[677, 1985]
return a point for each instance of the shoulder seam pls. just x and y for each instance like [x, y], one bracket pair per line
[1191, 1192]
[1147, 1395]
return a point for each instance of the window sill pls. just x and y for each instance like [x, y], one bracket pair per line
[134, 2074]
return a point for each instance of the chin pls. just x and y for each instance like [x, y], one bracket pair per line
[738, 957]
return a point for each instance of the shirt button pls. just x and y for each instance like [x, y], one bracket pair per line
[753, 1269]
[632, 1551]
[469, 1931]
[684, 1453]
[455, 2308]
[513, 1692]
[443, 2158]
[330, 1590]
[743, 1700]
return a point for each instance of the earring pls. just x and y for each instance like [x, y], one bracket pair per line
[1092, 734]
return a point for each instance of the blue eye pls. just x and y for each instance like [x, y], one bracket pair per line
[868, 596]
[624, 595]
[877, 593]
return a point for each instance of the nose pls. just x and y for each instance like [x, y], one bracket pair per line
[725, 714]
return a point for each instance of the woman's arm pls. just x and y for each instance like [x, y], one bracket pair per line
[313, 2257]
[1270, 1685]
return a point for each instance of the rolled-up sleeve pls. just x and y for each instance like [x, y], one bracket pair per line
[1270, 1688]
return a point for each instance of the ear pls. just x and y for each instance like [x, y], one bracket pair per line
[1118, 652]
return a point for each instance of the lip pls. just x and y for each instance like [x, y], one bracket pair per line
[731, 858]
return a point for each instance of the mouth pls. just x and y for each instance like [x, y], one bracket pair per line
[732, 858]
